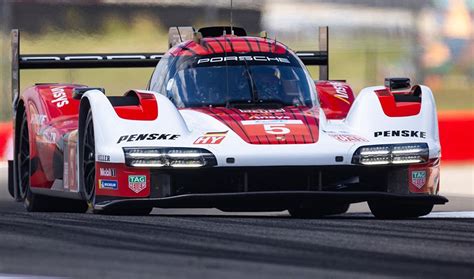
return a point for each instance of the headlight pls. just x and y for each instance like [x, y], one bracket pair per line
[168, 157]
[395, 154]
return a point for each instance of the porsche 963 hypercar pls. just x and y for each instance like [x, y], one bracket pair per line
[227, 121]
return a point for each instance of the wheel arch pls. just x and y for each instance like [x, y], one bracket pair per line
[84, 108]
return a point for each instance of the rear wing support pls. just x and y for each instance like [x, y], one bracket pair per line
[127, 60]
[324, 47]
[15, 64]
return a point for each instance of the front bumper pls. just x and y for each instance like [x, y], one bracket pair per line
[265, 201]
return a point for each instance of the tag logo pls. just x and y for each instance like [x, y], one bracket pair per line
[137, 183]
[108, 184]
[418, 178]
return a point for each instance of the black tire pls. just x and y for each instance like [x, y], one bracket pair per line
[318, 211]
[87, 160]
[23, 162]
[399, 209]
[34, 202]
[87, 172]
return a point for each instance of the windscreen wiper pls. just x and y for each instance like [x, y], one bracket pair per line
[253, 87]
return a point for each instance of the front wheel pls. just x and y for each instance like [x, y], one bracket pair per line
[399, 209]
[318, 211]
[87, 160]
[87, 172]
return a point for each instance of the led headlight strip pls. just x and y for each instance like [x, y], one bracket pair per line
[168, 157]
[391, 154]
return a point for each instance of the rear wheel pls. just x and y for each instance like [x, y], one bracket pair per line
[399, 209]
[23, 161]
[34, 202]
[318, 211]
[87, 173]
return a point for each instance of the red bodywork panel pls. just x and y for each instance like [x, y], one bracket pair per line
[224, 44]
[424, 178]
[287, 125]
[146, 110]
[393, 108]
[336, 98]
[51, 112]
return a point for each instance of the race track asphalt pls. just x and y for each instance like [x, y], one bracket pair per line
[211, 245]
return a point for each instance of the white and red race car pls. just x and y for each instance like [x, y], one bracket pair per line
[227, 121]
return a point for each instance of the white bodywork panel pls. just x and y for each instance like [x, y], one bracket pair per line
[365, 117]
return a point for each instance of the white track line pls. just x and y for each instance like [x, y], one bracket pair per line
[21, 276]
[451, 214]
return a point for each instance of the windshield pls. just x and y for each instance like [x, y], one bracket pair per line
[223, 81]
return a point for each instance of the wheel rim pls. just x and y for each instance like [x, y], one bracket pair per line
[89, 159]
[24, 159]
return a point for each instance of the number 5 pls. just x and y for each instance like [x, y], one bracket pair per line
[276, 129]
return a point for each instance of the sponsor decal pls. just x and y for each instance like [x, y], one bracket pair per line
[103, 158]
[274, 127]
[148, 137]
[262, 111]
[264, 116]
[271, 121]
[137, 183]
[60, 97]
[418, 178]
[348, 138]
[341, 91]
[257, 58]
[110, 172]
[38, 119]
[49, 136]
[401, 133]
[108, 184]
[211, 138]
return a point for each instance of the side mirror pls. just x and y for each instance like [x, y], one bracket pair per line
[395, 84]
[79, 91]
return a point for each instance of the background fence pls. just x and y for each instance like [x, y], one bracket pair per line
[430, 41]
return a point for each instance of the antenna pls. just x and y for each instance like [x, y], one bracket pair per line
[179, 34]
[231, 19]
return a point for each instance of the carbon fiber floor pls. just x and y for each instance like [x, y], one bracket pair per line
[215, 246]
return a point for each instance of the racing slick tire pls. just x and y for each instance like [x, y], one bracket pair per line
[399, 209]
[87, 172]
[318, 211]
[34, 202]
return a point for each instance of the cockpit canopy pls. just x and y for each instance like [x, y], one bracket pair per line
[233, 78]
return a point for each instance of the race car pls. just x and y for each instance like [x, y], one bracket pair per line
[227, 121]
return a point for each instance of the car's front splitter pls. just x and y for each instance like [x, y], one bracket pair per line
[264, 201]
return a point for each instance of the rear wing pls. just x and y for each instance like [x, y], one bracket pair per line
[128, 60]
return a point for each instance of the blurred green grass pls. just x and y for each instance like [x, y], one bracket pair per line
[361, 61]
